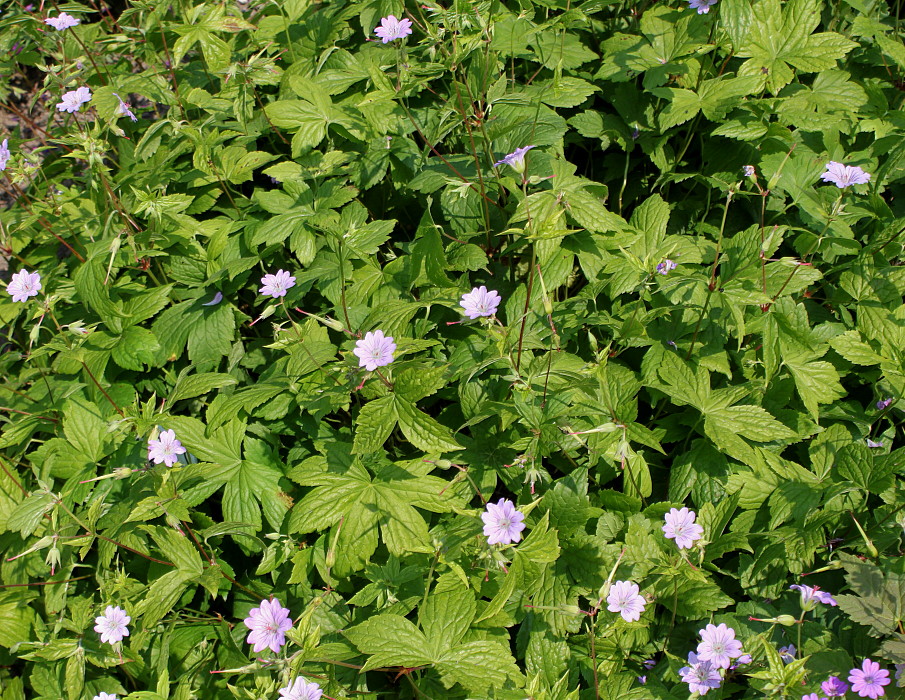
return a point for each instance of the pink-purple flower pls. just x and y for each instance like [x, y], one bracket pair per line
[812, 696]
[882, 404]
[787, 654]
[112, 626]
[844, 175]
[701, 676]
[74, 99]
[123, 110]
[374, 350]
[105, 696]
[62, 21]
[810, 596]
[268, 624]
[300, 689]
[868, 681]
[4, 154]
[502, 522]
[391, 28]
[681, 527]
[480, 302]
[24, 284]
[277, 285]
[625, 598]
[664, 267]
[166, 449]
[719, 645]
[702, 6]
[834, 687]
[516, 159]
[748, 170]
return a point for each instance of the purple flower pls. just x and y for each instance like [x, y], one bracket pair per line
[4, 154]
[111, 626]
[868, 681]
[374, 350]
[625, 599]
[700, 675]
[702, 6]
[218, 297]
[166, 449]
[680, 525]
[62, 21]
[268, 625]
[834, 687]
[844, 175]
[105, 696]
[123, 109]
[664, 267]
[480, 302]
[812, 696]
[811, 596]
[742, 660]
[874, 443]
[881, 404]
[24, 284]
[516, 159]
[787, 654]
[300, 689]
[277, 285]
[74, 99]
[391, 28]
[748, 170]
[719, 645]
[502, 522]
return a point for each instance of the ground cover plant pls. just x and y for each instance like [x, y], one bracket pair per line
[544, 349]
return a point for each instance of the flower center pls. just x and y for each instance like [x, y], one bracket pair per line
[505, 523]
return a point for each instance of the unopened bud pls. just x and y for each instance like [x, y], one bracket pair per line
[122, 472]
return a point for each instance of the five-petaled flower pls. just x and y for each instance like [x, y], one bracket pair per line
[300, 689]
[680, 525]
[719, 645]
[374, 350]
[480, 302]
[391, 28]
[664, 267]
[277, 285]
[123, 110]
[834, 687]
[24, 284]
[112, 625]
[844, 175]
[810, 596]
[516, 159]
[502, 522]
[868, 681]
[702, 6]
[268, 624]
[625, 599]
[4, 154]
[62, 21]
[166, 449]
[74, 99]
[701, 676]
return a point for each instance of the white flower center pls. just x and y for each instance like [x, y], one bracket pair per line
[504, 523]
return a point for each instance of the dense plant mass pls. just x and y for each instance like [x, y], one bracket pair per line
[544, 349]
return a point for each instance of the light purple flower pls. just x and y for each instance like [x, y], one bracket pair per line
[701, 676]
[625, 599]
[166, 449]
[480, 302]
[62, 21]
[811, 596]
[105, 696]
[719, 645]
[218, 297]
[123, 109]
[868, 681]
[300, 689]
[834, 687]
[748, 170]
[874, 443]
[502, 522]
[112, 625]
[844, 175]
[812, 696]
[680, 525]
[787, 654]
[516, 159]
[664, 267]
[374, 350]
[702, 6]
[391, 28]
[4, 154]
[881, 404]
[74, 99]
[268, 624]
[277, 285]
[742, 660]
[24, 284]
